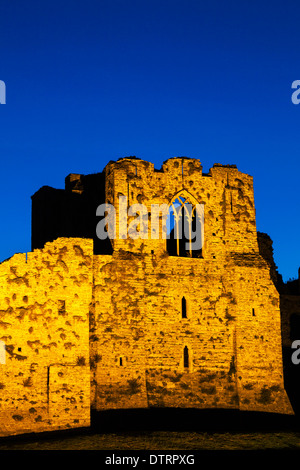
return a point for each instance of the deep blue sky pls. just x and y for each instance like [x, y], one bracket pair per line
[92, 81]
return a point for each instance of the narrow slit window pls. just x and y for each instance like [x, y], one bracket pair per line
[186, 357]
[121, 361]
[183, 308]
[61, 307]
[253, 312]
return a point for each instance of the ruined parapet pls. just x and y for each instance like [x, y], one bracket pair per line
[226, 194]
[74, 182]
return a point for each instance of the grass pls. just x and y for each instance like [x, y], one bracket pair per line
[162, 440]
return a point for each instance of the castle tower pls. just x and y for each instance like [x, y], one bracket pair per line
[187, 331]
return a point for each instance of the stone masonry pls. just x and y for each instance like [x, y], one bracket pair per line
[122, 323]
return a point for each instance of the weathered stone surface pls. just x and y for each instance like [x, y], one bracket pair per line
[106, 330]
[45, 384]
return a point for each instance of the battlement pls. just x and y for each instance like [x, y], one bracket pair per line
[182, 165]
[225, 193]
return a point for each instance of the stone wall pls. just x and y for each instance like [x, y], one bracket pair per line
[226, 193]
[232, 332]
[232, 329]
[85, 328]
[44, 323]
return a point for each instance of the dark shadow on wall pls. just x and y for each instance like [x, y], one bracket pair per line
[69, 212]
[291, 373]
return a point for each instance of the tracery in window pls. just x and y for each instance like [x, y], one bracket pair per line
[185, 227]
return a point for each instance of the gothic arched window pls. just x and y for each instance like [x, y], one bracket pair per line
[185, 227]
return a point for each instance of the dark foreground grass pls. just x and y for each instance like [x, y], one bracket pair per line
[164, 440]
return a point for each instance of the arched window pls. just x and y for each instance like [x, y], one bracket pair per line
[185, 227]
[183, 308]
[186, 361]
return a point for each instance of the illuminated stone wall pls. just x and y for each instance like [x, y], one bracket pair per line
[44, 323]
[232, 329]
[84, 329]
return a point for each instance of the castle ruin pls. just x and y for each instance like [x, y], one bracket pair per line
[138, 323]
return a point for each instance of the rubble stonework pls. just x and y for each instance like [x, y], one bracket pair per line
[93, 323]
